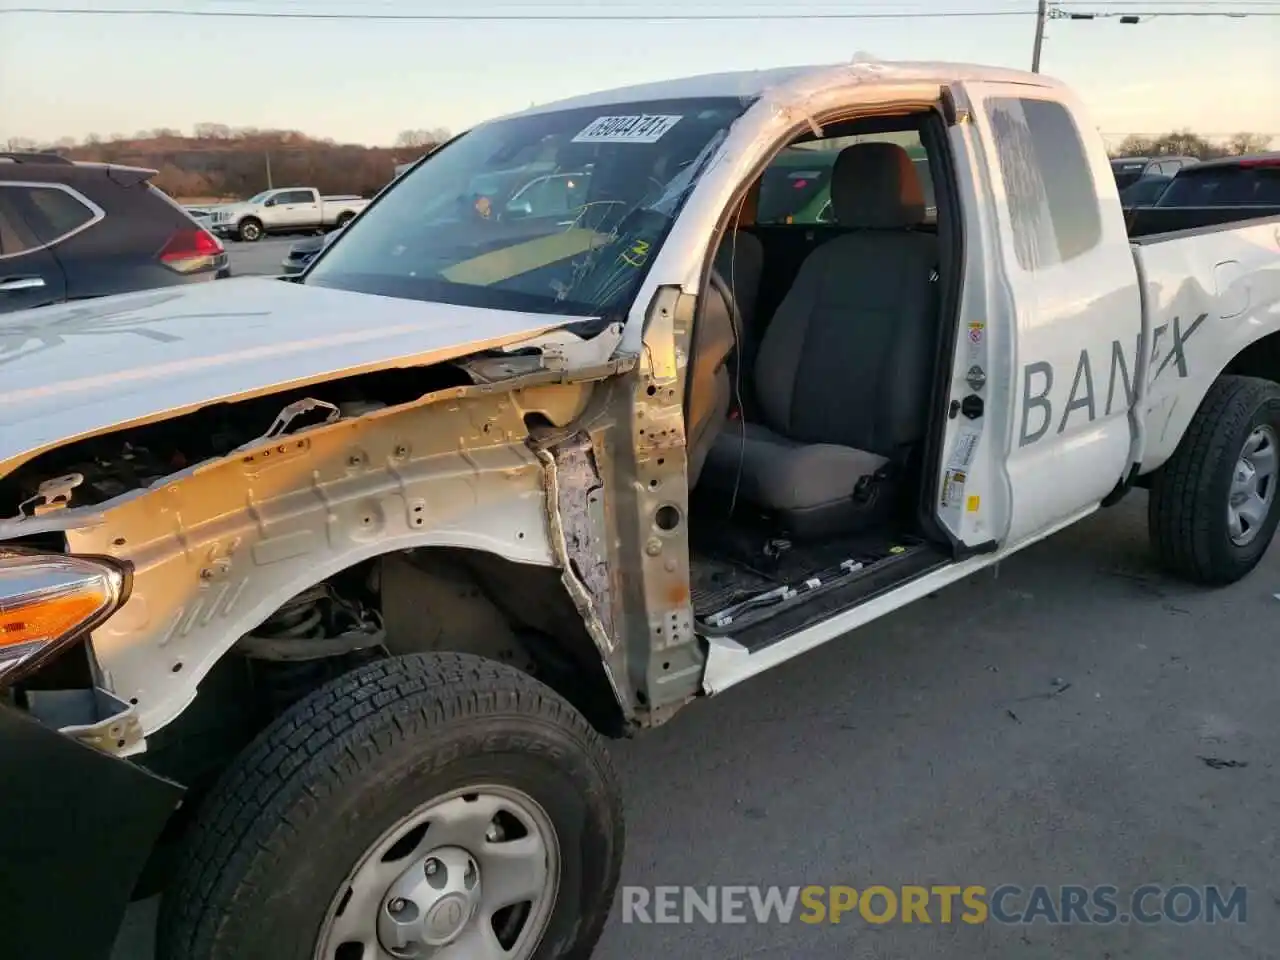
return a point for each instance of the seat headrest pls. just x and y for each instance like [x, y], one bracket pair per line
[875, 185]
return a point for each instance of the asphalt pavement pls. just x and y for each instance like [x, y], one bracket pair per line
[262, 257]
[1071, 717]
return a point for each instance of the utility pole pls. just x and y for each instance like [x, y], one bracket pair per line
[1042, 14]
[267, 154]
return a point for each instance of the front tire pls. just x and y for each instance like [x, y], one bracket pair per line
[317, 818]
[250, 230]
[1213, 507]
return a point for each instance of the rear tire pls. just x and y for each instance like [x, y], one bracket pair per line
[269, 863]
[343, 220]
[1198, 505]
[249, 230]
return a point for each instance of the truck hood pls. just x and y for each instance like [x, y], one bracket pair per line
[79, 369]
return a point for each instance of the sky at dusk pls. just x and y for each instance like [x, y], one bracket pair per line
[364, 81]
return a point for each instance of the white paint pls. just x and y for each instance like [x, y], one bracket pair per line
[77, 369]
[1185, 278]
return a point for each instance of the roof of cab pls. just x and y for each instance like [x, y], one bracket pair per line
[786, 82]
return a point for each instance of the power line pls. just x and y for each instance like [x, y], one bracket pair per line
[495, 17]
[707, 17]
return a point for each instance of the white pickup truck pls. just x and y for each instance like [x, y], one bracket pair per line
[371, 563]
[284, 210]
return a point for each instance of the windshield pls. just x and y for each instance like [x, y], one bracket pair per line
[557, 212]
[259, 197]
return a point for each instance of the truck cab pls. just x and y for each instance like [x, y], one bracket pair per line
[398, 545]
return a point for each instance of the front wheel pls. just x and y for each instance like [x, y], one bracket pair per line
[430, 806]
[1212, 511]
[249, 230]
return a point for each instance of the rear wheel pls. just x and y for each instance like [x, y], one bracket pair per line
[1212, 511]
[440, 807]
[249, 230]
[343, 220]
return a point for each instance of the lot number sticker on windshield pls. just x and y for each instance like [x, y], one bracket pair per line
[645, 128]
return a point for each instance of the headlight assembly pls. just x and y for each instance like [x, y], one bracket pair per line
[47, 601]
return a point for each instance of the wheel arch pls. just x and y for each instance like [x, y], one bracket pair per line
[513, 584]
[1261, 358]
[1171, 412]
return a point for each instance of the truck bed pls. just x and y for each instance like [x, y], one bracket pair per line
[1207, 292]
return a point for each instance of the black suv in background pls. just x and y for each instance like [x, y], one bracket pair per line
[1129, 170]
[1223, 191]
[72, 230]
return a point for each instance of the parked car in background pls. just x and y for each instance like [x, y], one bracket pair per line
[201, 215]
[1144, 192]
[284, 210]
[304, 251]
[1129, 170]
[71, 231]
[1213, 192]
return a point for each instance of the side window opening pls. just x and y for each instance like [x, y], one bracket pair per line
[796, 187]
[1053, 201]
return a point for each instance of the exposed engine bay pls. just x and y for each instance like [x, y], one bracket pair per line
[100, 468]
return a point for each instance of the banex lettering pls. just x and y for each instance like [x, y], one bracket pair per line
[1038, 379]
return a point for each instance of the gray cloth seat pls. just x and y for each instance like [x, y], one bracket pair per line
[843, 372]
[740, 261]
[719, 339]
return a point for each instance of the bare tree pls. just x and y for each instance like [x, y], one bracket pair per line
[1242, 143]
[212, 131]
[422, 139]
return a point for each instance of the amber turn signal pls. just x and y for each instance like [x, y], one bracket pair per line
[48, 600]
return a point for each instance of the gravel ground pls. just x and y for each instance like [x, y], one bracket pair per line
[1061, 720]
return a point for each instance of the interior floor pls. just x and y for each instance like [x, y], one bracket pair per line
[743, 571]
[722, 574]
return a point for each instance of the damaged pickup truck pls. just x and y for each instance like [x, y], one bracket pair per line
[319, 598]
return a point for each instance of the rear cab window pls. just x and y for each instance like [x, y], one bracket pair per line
[1053, 201]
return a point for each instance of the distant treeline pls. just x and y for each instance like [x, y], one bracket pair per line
[218, 162]
[1184, 143]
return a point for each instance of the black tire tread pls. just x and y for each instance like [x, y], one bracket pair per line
[1179, 515]
[315, 746]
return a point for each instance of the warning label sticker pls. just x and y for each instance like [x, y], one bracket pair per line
[642, 128]
[952, 488]
[962, 451]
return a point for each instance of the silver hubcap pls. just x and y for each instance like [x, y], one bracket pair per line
[1253, 486]
[468, 876]
[250, 232]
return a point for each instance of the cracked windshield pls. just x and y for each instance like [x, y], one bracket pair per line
[556, 212]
